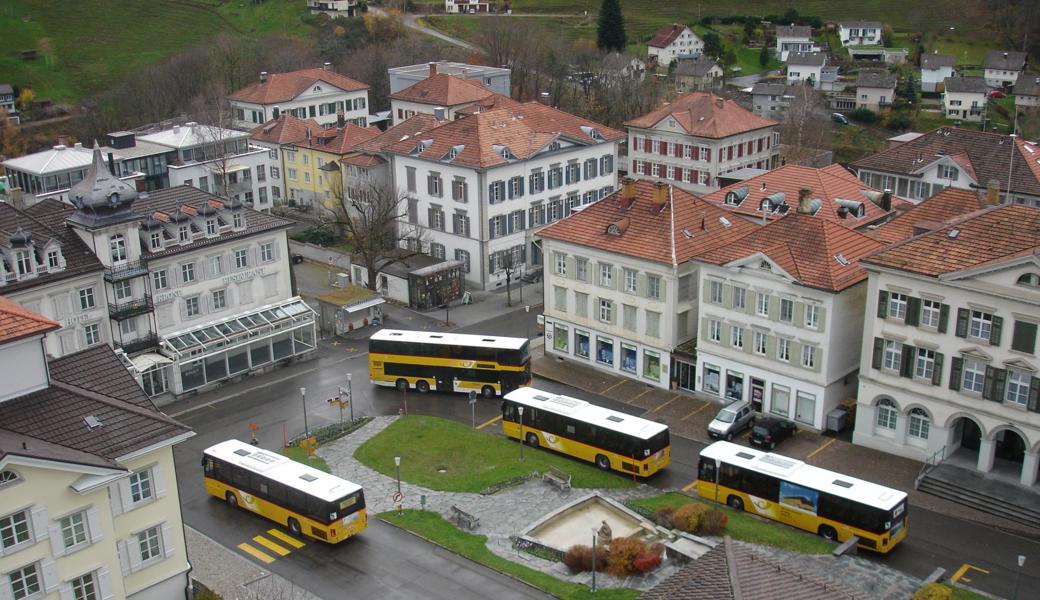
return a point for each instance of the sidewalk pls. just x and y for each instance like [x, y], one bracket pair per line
[687, 415]
[233, 576]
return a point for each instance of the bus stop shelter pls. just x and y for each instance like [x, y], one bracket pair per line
[346, 309]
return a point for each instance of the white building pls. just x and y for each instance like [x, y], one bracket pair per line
[959, 158]
[442, 95]
[935, 68]
[875, 89]
[221, 161]
[88, 490]
[964, 98]
[307, 94]
[1003, 68]
[1027, 92]
[949, 358]
[495, 79]
[793, 38]
[334, 8]
[672, 42]
[51, 173]
[859, 33]
[779, 317]
[806, 68]
[694, 138]
[481, 186]
[466, 6]
[620, 289]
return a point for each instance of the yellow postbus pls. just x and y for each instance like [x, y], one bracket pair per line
[610, 439]
[448, 362]
[309, 502]
[830, 504]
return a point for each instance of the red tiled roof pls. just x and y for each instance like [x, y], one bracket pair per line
[705, 115]
[363, 160]
[938, 209]
[650, 234]
[282, 87]
[286, 129]
[17, 322]
[827, 184]
[806, 248]
[993, 234]
[524, 130]
[407, 129]
[666, 35]
[489, 103]
[442, 89]
[339, 141]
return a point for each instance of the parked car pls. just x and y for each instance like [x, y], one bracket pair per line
[769, 431]
[840, 118]
[997, 94]
[731, 420]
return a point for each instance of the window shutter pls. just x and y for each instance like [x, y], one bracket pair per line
[572, 270]
[509, 190]
[879, 350]
[995, 331]
[906, 361]
[491, 228]
[5, 588]
[962, 323]
[1034, 394]
[796, 353]
[705, 329]
[491, 193]
[749, 340]
[937, 372]
[64, 592]
[133, 553]
[821, 318]
[770, 346]
[750, 301]
[104, 581]
[509, 223]
[956, 364]
[491, 264]
[1023, 338]
[798, 317]
[124, 492]
[49, 574]
[662, 288]
[944, 317]
[882, 305]
[94, 525]
[727, 296]
[913, 310]
[115, 499]
[774, 308]
[520, 186]
[987, 386]
[38, 514]
[57, 543]
[168, 540]
[724, 337]
[159, 481]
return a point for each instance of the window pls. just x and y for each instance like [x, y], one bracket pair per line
[463, 256]
[930, 312]
[561, 336]
[266, 252]
[1023, 337]
[141, 485]
[437, 251]
[893, 355]
[653, 287]
[981, 325]
[787, 310]
[762, 305]
[561, 263]
[238, 223]
[148, 544]
[128, 328]
[84, 588]
[188, 272]
[86, 298]
[783, 349]
[117, 248]
[215, 266]
[809, 357]
[1017, 391]
[897, 306]
[974, 376]
[458, 190]
[560, 296]
[241, 259]
[25, 582]
[183, 234]
[91, 334]
[653, 324]
[219, 299]
[211, 227]
[781, 404]
[410, 176]
[919, 424]
[651, 365]
[760, 343]
[812, 316]
[925, 367]
[948, 172]
[886, 414]
[739, 297]
[191, 307]
[629, 317]
[122, 290]
[715, 330]
[8, 477]
[606, 310]
[159, 280]
[434, 185]
[53, 261]
[73, 530]
[581, 267]
[581, 343]
[606, 275]
[156, 240]
[736, 336]
[14, 529]
[630, 280]
[605, 350]
[715, 292]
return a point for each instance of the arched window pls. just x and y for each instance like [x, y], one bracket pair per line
[1030, 280]
[887, 413]
[919, 424]
[7, 477]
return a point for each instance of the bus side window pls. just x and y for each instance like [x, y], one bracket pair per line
[296, 501]
[240, 478]
[276, 492]
[509, 412]
[706, 470]
[731, 476]
[761, 485]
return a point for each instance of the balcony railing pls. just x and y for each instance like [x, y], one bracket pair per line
[126, 270]
[145, 342]
[131, 308]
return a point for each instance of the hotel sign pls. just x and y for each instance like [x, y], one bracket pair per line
[243, 276]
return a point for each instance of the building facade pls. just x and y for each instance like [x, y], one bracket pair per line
[950, 343]
[964, 98]
[317, 94]
[875, 89]
[672, 42]
[466, 6]
[935, 68]
[335, 8]
[859, 33]
[52, 173]
[806, 68]
[793, 38]
[439, 94]
[1027, 92]
[1003, 68]
[495, 79]
[771, 100]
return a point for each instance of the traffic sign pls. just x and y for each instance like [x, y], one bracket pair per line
[398, 496]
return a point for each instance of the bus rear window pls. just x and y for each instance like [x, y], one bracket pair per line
[657, 443]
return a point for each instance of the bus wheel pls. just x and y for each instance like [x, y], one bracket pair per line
[603, 462]
[487, 391]
[735, 503]
[402, 385]
[294, 526]
[422, 386]
[232, 499]
[532, 440]
[827, 532]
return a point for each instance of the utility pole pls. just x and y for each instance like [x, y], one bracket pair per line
[303, 399]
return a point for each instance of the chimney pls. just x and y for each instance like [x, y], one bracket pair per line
[886, 200]
[660, 197]
[275, 112]
[628, 192]
[341, 120]
[992, 192]
[843, 211]
[433, 68]
[804, 206]
[326, 66]
[545, 98]
[719, 102]
[263, 76]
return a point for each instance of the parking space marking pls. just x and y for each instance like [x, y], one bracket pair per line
[674, 398]
[489, 422]
[820, 449]
[285, 537]
[273, 547]
[706, 405]
[645, 392]
[260, 556]
[604, 392]
[689, 486]
[959, 575]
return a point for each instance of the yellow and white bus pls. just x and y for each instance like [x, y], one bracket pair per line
[610, 439]
[448, 362]
[309, 502]
[830, 504]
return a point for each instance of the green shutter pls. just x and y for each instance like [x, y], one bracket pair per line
[1034, 394]
[906, 361]
[749, 302]
[956, 364]
[944, 317]
[727, 296]
[882, 305]
[913, 311]
[572, 268]
[798, 318]
[749, 340]
[724, 334]
[821, 318]
[937, 372]
[879, 351]
[796, 353]
[1023, 337]
[770, 346]
[774, 308]
[641, 284]
[615, 281]
[707, 291]
[987, 386]
[705, 330]
[994, 332]
[662, 288]
[962, 323]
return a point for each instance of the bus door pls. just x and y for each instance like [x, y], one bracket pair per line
[445, 381]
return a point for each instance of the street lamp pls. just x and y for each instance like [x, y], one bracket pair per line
[594, 560]
[473, 408]
[527, 320]
[303, 399]
[1018, 575]
[521, 409]
[397, 463]
[350, 397]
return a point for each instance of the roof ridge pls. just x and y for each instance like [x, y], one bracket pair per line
[117, 403]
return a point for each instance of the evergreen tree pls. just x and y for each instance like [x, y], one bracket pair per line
[610, 34]
[763, 56]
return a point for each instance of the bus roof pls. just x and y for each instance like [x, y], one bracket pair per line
[296, 475]
[452, 339]
[801, 473]
[585, 411]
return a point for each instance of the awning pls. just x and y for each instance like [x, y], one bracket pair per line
[234, 168]
[241, 327]
[353, 308]
[146, 361]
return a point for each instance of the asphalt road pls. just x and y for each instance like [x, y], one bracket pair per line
[387, 563]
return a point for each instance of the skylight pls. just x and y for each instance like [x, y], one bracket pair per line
[841, 260]
[686, 232]
[953, 233]
[725, 222]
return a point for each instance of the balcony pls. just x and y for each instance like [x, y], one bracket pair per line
[125, 310]
[139, 344]
[126, 270]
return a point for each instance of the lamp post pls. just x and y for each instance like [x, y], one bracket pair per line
[397, 463]
[594, 560]
[521, 409]
[303, 400]
[527, 320]
[473, 408]
[350, 397]
[1018, 575]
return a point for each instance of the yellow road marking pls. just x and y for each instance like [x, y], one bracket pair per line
[266, 543]
[706, 405]
[612, 387]
[645, 392]
[260, 556]
[489, 422]
[285, 537]
[690, 486]
[959, 575]
[674, 398]
[820, 449]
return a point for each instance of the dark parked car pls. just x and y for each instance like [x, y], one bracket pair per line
[768, 432]
[840, 118]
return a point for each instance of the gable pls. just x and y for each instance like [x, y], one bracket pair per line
[760, 264]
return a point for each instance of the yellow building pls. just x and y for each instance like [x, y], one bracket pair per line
[88, 493]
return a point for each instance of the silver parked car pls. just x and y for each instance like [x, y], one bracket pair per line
[731, 420]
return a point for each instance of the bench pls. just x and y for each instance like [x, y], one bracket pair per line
[463, 518]
[558, 479]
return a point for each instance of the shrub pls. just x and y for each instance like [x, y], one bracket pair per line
[665, 517]
[647, 563]
[933, 591]
[314, 235]
[713, 522]
[623, 554]
[578, 558]
[863, 115]
[898, 121]
[688, 517]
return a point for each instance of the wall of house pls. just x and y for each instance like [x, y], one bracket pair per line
[859, 36]
[389, 285]
[966, 106]
[60, 301]
[310, 100]
[1000, 77]
[1023, 100]
[930, 78]
[249, 191]
[873, 98]
[785, 45]
[23, 367]
[801, 73]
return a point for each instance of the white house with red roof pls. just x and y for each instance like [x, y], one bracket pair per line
[441, 95]
[307, 94]
[620, 289]
[780, 317]
[694, 138]
[674, 41]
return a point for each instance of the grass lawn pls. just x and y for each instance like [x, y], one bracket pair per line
[747, 528]
[427, 445]
[852, 142]
[967, 52]
[432, 527]
[960, 593]
[300, 455]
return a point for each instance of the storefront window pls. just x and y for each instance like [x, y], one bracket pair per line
[238, 360]
[560, 337]
[805, 409]
[781, 403]
[216, 369]
[581, 343]
[628, 357]
[303, 339]
[651, 365]
[734, 385]
[192, 375]
[260, 353]
[605, 351]
[711, 379]
[282, 345]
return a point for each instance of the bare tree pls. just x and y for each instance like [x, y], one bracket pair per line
[807, 126]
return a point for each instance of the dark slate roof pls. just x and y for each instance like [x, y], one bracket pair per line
[793, 31]
[695, 67]
[812, 59]
[1004, 61]
[937, 61]
[1027, 85]
[876, 78]
[770, 89]
[78, 257]
[90, 382]
[860, 24]
[966, 85]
